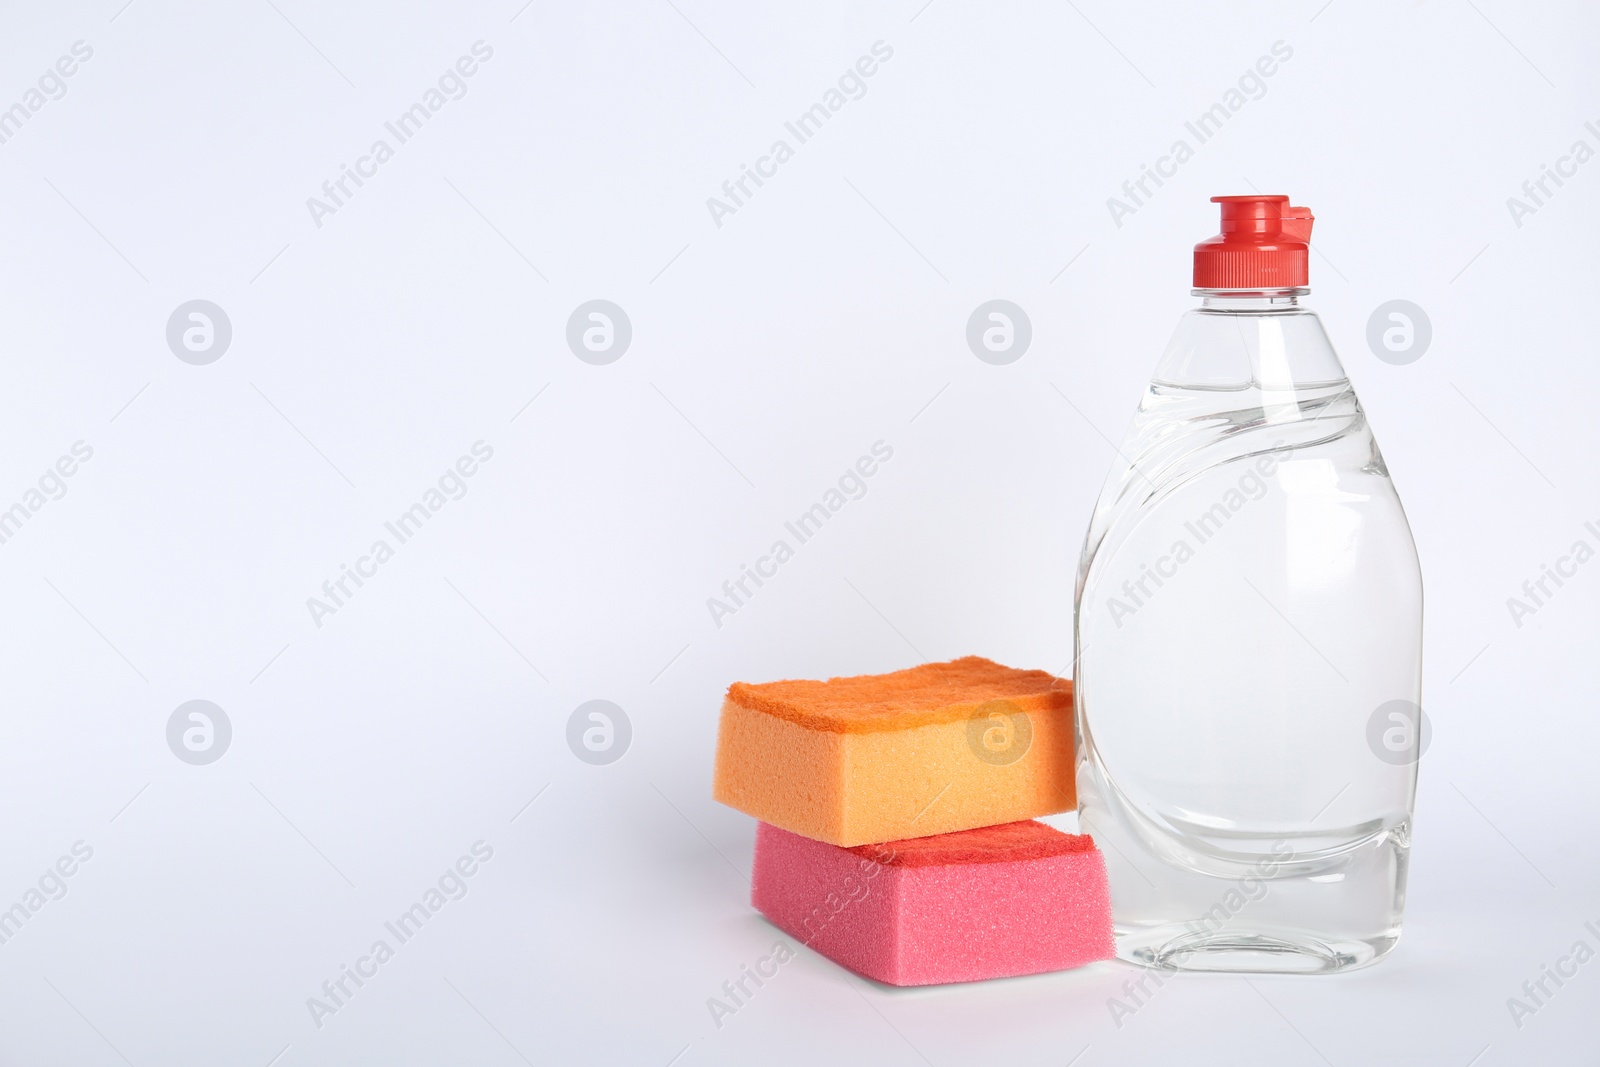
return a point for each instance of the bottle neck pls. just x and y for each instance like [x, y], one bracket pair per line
[1253, 301]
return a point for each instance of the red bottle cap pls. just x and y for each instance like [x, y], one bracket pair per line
[1263, 245]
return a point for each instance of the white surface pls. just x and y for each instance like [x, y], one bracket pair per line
[821, 317]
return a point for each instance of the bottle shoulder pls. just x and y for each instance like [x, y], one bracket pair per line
[1279, 349]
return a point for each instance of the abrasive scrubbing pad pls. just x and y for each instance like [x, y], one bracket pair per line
[929, 750]
[1020, 898]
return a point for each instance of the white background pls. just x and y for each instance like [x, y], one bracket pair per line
[826, 314]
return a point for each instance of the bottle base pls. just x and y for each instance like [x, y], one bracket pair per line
[1182, 948]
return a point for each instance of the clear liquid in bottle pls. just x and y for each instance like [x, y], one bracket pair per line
[1248, 650]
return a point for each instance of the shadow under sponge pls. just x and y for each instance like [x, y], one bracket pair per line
[1020, 898]
[929, 750]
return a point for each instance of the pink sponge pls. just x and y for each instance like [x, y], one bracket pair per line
[1018, 898]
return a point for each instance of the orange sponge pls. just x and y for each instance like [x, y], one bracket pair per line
[930, 750]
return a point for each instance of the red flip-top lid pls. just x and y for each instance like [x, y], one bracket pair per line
[1263, 245]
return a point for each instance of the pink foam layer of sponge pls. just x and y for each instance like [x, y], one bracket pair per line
[1019, 898]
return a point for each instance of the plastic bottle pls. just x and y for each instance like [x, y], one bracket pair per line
[1249, 638]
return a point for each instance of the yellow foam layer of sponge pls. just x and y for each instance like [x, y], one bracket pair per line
[930, 750]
